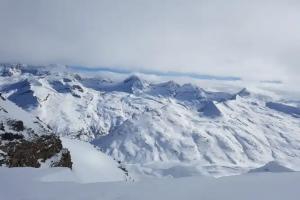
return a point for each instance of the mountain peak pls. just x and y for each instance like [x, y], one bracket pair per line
[133, 83]
[132, 78]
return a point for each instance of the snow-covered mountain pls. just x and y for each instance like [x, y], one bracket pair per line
[163, 128]
[25, 141]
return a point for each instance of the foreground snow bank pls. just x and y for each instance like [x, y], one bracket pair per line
[91, 165]
[25, 183]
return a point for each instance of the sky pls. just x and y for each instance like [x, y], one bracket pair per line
[251, 39]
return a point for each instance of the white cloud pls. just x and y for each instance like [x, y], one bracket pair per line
[253, 39]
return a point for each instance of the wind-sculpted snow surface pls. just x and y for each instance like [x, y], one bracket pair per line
[245, 135]
[158, 128]
[91, 165]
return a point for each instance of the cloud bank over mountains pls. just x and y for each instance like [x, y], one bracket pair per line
[251, 39]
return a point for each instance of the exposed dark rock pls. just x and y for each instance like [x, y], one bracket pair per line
[41, 123]
[67, 80]
[65, 160]
[11, 136]
[76, 95]
[49, 127]
[124, 170]
[24, 153]
[2, 109]
[16, 125]
[243, 93]
[77, 77]
[2, 97]
[21, 146]
[45, 99]
[77, 87]
[2, 127]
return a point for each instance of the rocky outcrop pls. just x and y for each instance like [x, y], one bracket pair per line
[18, 152]
[26, 141]
[65, 160]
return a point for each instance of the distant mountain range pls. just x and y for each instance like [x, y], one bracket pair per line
[162, 128]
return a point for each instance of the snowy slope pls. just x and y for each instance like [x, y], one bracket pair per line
[157, 128]
[91, 165]
[25, 141]
[30, 184]
[10, 111]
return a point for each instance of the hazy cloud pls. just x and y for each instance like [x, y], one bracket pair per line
[252, 39]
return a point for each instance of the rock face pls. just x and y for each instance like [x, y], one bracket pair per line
[18, 152]
[26, 142]
[65, 160]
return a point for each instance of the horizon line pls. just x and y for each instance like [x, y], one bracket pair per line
[156, 72]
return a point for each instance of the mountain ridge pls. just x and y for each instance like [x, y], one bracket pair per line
[163, 125]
